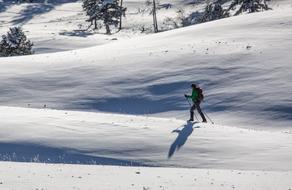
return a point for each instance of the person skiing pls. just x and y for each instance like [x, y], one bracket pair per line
[197, 97]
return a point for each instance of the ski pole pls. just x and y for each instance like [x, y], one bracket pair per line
[191, 107]
[189, 102]
[208, 117]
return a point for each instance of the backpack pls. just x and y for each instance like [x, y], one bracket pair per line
[200, 94]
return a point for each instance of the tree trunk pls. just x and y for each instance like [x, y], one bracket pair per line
[155, 25]
[120, 27]
[95, 24]
[108, 31]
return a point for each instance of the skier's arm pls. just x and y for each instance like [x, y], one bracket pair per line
[194, 95]
[188, 96]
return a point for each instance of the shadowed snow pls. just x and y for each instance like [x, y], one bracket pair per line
[52, 136]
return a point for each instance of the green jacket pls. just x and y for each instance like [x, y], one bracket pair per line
[194, 96]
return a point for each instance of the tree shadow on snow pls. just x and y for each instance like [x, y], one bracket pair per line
[182, 137]
[77, 33]
[5, 4]
[30, 11]
[37, 8]
[43, 154]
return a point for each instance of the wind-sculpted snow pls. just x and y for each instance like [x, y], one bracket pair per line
[130, 110]
[51, 136]
[242, 63]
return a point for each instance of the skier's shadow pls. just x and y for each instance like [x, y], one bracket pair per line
[182, 137]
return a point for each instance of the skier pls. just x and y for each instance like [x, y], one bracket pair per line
[197, 97]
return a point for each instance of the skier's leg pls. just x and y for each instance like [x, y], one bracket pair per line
[200, 112]
[192, 112]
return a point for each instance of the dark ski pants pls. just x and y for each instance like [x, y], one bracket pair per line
[196, 105]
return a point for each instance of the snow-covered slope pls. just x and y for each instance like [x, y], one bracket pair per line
[57, 25]
[242, 63]
[95, 138]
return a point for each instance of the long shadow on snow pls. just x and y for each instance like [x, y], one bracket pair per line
[43, 154]
[182, 137]
[280, 111]
[140, 103]
[163, 98]
[131, 105]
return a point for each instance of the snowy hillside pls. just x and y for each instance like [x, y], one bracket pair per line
[51, 136]
[242, 63]
[119, 101]
[60, 25]
[94, 138]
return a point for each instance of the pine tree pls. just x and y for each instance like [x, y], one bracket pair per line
[214, 11]
[107, 11]
[91, 7]
[249, 6]
[15, 43]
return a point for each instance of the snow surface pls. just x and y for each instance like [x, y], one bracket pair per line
[129, 106]
[243, 64]
[19, 176]
[95, 138]
[60, 25]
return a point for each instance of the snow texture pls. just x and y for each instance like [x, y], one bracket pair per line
[21, 176]
[119, 101]
[54, 136]
[242, 63]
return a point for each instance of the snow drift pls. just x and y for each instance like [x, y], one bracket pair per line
[53, 136]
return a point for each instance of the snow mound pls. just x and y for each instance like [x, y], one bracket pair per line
[52, 136]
